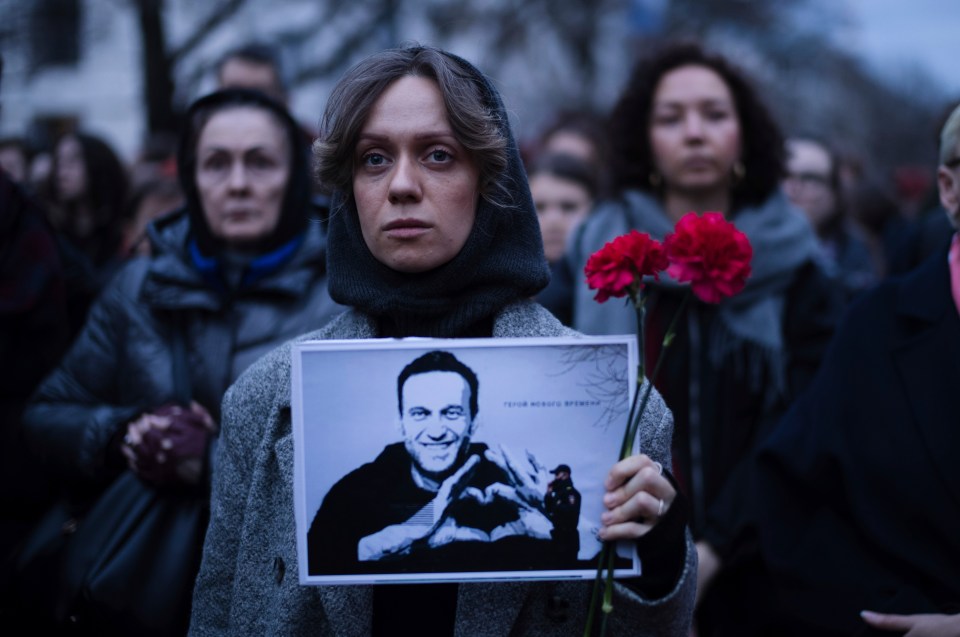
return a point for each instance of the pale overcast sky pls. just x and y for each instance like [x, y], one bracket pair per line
[891, 33]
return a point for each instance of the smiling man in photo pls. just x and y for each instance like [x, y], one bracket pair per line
[434, 501]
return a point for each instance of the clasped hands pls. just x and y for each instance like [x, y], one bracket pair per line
[637, 496]
[168, 445]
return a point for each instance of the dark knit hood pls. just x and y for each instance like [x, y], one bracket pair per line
[296, 200]
[501, 262]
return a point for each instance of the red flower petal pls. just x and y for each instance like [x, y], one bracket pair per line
[711, 254]
[618, 268]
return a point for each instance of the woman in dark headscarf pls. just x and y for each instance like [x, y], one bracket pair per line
[237, 271]
[433, 233]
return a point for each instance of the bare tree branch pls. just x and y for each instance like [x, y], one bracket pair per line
[215, 18]
[348, 45]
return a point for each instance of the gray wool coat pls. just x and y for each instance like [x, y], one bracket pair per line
[248, 582]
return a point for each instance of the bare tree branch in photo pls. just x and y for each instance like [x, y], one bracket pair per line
[605, 382]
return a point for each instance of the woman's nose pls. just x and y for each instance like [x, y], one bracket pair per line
[404, 181]
[693, 125]
[238, 179]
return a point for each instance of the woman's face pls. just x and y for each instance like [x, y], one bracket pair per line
[561, 205]
[243, 166]
[14, 163]
[568, 142]
[71, 169]
[808, 184]
[694, 131]
[415, 185]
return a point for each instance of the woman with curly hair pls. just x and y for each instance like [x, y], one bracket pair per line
[689, 133]
[88, 191]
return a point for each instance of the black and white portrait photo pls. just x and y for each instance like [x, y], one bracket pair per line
[446, 460]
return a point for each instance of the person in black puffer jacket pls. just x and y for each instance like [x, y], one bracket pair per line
[236, 272]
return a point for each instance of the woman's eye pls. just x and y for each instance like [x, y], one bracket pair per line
[260, 163]
[439, 155]
[373, 159]
[717, 116]
[214, 163]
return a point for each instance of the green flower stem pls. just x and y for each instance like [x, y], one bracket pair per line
[608, 554]
[608, 592]
[595, 595]
[606, 562]
[627, 450]
[638, 305]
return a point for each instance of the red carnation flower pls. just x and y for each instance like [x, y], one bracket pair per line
[710, 253]
[618, 268]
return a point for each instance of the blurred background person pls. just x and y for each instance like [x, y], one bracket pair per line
[33, 336]
[689, 133]
[254, 65]
[150, 199]
[88, 190]
[564, 189]
[40, 172]
[155, 159]
[15, 159]
[873, 206]
[918, 238]
[259, 66]
[235, 272]
[859, 486]
[812, 183]
[154, 191]
[582, 134]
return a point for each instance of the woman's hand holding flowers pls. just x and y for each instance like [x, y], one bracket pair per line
[710, 254]
[637, 497]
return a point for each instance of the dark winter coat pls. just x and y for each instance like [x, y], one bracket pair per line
[121, 365]
[33, 336]
[859, 486]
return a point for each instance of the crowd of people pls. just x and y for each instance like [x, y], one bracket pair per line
[795, 474]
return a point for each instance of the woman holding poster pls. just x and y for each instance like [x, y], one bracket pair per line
[433, 234]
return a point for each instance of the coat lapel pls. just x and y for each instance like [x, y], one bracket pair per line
[927, 357]
[347, 608]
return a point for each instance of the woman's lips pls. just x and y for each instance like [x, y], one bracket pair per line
[240, 213]
[698, 163]
[406, 228]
